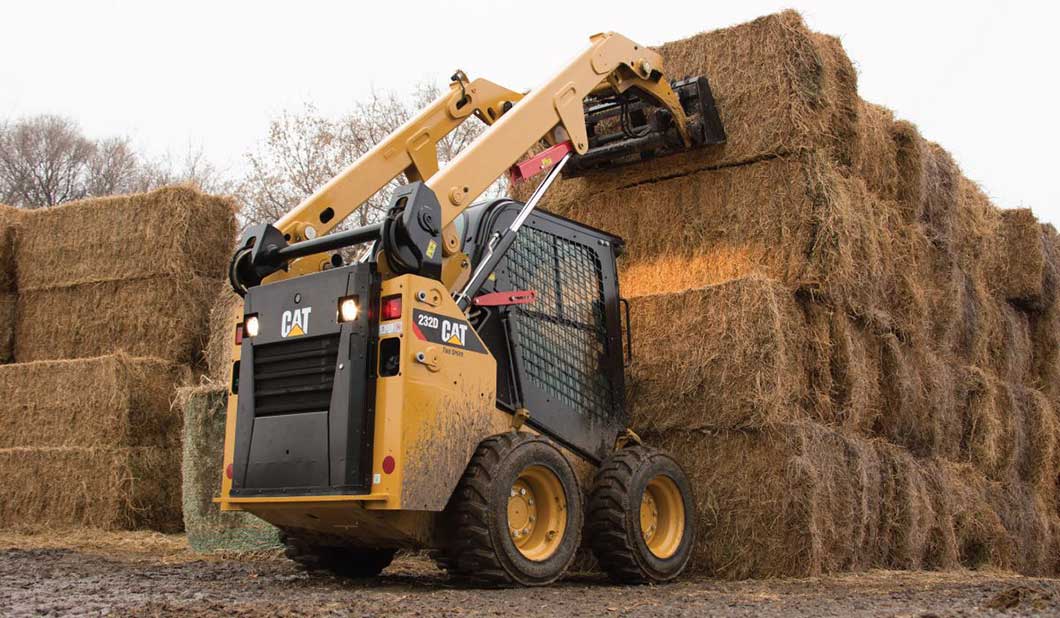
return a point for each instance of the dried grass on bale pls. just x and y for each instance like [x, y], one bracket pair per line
[854, 365]
[175, 231]
[927, 179]
[801, 500]
[1026, 519]
[109, 488]
[1044, 322]
[207, 527]
[794, 220]
[225, 313]
[965, 517]
[780, 89]
[1008, 431]
[110, 401]
[10, 221]
[164, 317]
[1018, 270]
[764, 500]
[726, 356]
[795, 500]
[8, 309]
[917, 391]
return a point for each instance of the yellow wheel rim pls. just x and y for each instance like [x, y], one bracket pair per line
[537, 513]
[662, 517]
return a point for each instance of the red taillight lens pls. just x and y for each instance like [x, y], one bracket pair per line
[391, 307]
[228, 470]
[239, 333]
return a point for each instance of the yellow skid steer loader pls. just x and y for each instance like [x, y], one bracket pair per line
[461, 387]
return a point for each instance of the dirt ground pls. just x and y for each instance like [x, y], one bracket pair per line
[146, 574]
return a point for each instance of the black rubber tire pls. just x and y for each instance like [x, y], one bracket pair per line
[354, 563]
[477, 515]
[613, 519]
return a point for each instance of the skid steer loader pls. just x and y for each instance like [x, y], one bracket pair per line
[461, 387]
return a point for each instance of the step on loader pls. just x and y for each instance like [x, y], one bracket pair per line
[460, 388]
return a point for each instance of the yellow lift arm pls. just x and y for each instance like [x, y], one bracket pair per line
[553, 112]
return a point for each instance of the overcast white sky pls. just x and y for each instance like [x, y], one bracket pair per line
[978, 77]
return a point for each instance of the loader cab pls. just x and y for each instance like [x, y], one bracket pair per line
[560, 356]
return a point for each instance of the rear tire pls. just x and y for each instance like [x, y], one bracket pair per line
[516, 515]
[354, 563]
[641, 520]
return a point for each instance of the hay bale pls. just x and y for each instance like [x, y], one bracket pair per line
[1019, 263]
[110, 401]
[780, 89]
[793, 501]
[795, 220]
[226, 312]
[175, 231]
[877, 153]
[108, 488]
[1026, 519]
[927, 183]
[854, 364]
[8, 313]
[960, 496]
[723, 356]
[163, 316]
[10, 221]
[917, 391]
[207, 527]
[1044, 323]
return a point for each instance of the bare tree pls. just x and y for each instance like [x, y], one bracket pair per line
[305, 150]
[46, 160]
[192, 169]
[43, 161]
[113, 167]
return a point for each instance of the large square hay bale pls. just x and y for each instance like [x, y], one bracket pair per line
[1020, 260]
[800, 500]
[110, 401]
[226, 312]
[780, 89]
[927, 178]
[723, 356]
[175, 231]
[796, 500]
[796, 220]
[10, 220]
[208, 528]
[109, 488]
[163, 316]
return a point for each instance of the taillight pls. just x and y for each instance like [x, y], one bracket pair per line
[239, 333]
[228, 470]
[391, 307]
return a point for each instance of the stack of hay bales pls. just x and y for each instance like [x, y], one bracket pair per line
[853, 350]
[113, 297]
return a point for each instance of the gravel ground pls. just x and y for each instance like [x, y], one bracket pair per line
[141, 574]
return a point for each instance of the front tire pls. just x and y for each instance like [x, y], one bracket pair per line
[641, 520]
[516, 514]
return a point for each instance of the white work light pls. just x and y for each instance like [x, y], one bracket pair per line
[348, 309]
[251, 326]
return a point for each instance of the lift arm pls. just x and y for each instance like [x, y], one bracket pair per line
[421, 216]
[411, 149]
